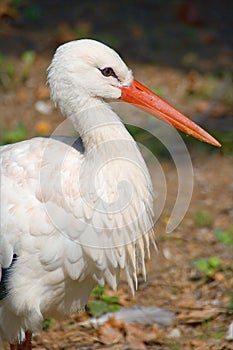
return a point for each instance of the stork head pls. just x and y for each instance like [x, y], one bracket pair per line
[86, 70]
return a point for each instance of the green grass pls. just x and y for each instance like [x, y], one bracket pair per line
[230, 306]
[208, 266]
[102, 303]
[47, 323]
[28, 58]
[108, 39]
[11, 136]
[149, 141]
[224, 236]
[225, 138]
[15, 4]
[13, 75]
[203, 219]
[209, 331]
[174, 346]
[32, 12]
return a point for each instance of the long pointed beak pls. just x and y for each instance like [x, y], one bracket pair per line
[143, 98]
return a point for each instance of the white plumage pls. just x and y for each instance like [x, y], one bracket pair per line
[73, 219]
[56, 216]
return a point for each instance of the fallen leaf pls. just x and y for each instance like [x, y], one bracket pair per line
[22, 95]
[6, 10]
[64, 33]
[202, 106]
[198, 344]
[43, 93]
[135, 336]
[186, 303]
[198, 316]
[111, 332]
[42, 127]
[219, 276]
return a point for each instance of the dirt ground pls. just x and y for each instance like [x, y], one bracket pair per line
[197, 85]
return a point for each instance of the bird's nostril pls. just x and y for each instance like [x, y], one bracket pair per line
[138, 88]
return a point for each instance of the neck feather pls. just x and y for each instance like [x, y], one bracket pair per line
[98, 123]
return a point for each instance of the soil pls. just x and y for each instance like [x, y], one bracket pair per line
[186, 74]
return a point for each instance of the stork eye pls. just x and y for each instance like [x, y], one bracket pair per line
[108, 72]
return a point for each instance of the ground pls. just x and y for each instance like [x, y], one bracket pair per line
[192, 272]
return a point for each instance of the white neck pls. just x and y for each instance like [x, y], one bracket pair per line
[97, 123]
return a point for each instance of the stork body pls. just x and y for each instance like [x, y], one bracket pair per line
[56, 268]
[74, 216]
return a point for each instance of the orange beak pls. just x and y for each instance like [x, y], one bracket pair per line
[143, 98]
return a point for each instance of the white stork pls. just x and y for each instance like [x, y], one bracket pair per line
[73, 216]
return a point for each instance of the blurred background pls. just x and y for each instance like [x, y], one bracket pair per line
[183, 51]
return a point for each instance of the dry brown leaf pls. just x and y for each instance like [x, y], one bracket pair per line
[186, 303]
[198, 344]
[6, 10]
[65, 33]
[42, 127]
[22, 95]
[153, 334]
[111, 332]
[123, 296]
[135, 336]
[197, 316]
[202, 106]
[43, 93]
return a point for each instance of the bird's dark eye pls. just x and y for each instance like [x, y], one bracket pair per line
[108, 72]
